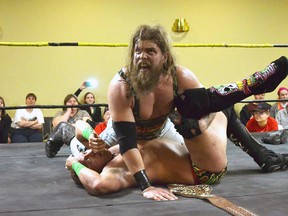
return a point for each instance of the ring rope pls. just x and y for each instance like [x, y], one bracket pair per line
[259, 101]
[106, 105]
[52, 106]
[56, 44]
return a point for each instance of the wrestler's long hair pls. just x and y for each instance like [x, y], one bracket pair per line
[157, 35]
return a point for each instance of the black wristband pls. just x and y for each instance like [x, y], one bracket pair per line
[142, 180]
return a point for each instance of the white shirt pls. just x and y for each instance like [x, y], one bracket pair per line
[28, 116]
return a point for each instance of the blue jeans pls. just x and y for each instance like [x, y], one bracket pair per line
[26, 135]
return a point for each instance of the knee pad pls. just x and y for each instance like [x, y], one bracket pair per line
[188, 128]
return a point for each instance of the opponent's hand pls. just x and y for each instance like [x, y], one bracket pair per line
[69, 161]
[96, 143]
[158, 194]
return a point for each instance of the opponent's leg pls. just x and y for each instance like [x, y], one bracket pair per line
[63, 133]
[268, 160]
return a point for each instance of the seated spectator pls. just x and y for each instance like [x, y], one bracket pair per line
[70, 115]
[94, 111]
[64, 125]
[28, 123]
[282, 117]
[283, 95]
[261, 120]
[102, 126]
[5, 124]
[245, 113]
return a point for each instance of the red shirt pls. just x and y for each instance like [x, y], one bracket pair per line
[100, 127]
[253, 126]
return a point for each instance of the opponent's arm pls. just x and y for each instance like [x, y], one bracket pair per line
[108, 182]
[88, 137]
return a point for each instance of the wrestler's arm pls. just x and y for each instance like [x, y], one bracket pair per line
[121, 111]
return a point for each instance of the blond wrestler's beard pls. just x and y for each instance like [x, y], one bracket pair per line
[144, 83]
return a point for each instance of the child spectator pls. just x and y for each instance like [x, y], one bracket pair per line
[261, 120]
[245, 113]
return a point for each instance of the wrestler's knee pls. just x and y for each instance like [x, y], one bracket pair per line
[190, 128]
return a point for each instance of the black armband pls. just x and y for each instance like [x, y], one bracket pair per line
[126, 135]
[188, 128]
[142, 180]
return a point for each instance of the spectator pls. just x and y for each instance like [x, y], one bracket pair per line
[94, 111]
[5, 124]
[28, 123]
[70, 115]
[283, 95]
[282, 117]
[261, 120]
[64, 125]
[245, 113]
[102, 126]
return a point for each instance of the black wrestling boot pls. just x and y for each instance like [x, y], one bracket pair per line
[268, 160]
[63, 133]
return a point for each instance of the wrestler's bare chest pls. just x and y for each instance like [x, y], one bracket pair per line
[157, 103]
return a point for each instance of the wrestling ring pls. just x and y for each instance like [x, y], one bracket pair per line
[32, 184]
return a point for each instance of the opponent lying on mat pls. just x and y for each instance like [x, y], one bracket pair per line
[105, 172]
[102, 171]
[143, 94]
